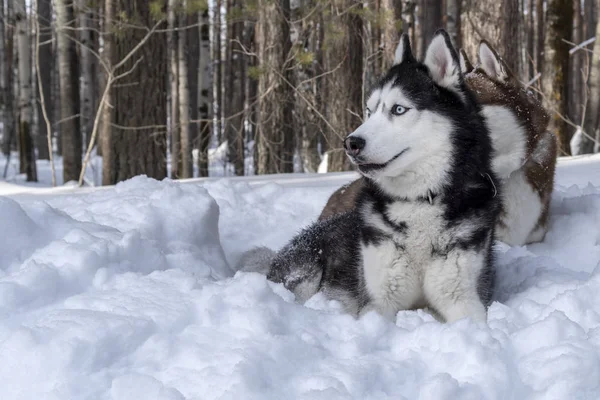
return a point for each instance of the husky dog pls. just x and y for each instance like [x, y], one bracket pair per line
[524, 151]
[422, 231]
[524, 156]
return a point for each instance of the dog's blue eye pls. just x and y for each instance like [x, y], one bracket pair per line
[398, 109]
[368, 112]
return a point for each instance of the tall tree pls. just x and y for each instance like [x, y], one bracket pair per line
[44, 19]
[556, 71]
[204, 97]
[540, 20]
[576, 73]
[343, 91]
[393, 27]
[26, 147]
[453, 11]
[275, 126]
[134, 140]
[233, 102]
[430, 20]
[3, 68]
[88, 66]
[530, 53]
[68, 70]
[218, 72]
[9, 93]
[173, 74]
[498, 23]
[591, 141]
[184, 101]
[193, 59]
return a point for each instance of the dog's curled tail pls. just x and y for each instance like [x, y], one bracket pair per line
[257, 259]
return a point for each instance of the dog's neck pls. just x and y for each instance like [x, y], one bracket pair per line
[424, 181]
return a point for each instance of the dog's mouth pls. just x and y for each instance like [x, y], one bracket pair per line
[370, 167]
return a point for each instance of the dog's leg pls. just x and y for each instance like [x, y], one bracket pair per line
[450, 286]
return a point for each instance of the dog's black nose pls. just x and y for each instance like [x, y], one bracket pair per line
[354, 145]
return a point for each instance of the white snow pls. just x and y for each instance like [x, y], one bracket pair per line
[127, 293]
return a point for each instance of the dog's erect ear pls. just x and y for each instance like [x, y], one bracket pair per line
[443, 63]
[491, 63]
[465, 64]
[403, 51]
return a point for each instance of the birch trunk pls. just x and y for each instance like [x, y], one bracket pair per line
[106, 141]
[217, 77]
[26, 148]
[68, 71]
[187, 170]
[204, 88]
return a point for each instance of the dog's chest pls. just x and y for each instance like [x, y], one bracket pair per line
[395, 264]
[423, 224]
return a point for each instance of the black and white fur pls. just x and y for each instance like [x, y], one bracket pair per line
[422, 231]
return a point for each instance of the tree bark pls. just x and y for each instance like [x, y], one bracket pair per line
[44, 18]
[343, 93]
[275, 127]
[496, 22]
[453, 21]
[69, 91]
[576, 73]
[204, 97]
[9, 93]
[26, 147]
[540, 20]
[187, 170]
[174, 131]
[556, 71]
[88, 93]
[392, 29]
[530, 55]
[591, 124]
[217, 71]
[430, 20]
[193, 59]
[135, 132]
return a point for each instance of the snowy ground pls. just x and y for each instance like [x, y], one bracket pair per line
[127, 293]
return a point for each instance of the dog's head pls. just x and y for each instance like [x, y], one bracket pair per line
[495, 85]
[407, 114]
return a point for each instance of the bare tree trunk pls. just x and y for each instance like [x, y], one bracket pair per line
[204, 98]
[496, 22]
[275, 127]
[530, 56]
[88, 93]
[218, 73]
[9, 111]
[56, 103]
[592, 112]
[430, 20]
[106, 143]
[392, 29]
[556, 72]
[174, 131]
[136, 134]
[26, 147]
[576, 82]
[193, 59]
[453, 20]
[187, 170]
[540, 20]
[344, 87]
[69, 91]
[409, 16]
[2, 67]
[44, 18]
[233, 103]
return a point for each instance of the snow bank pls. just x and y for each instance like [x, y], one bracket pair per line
[125, 293]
